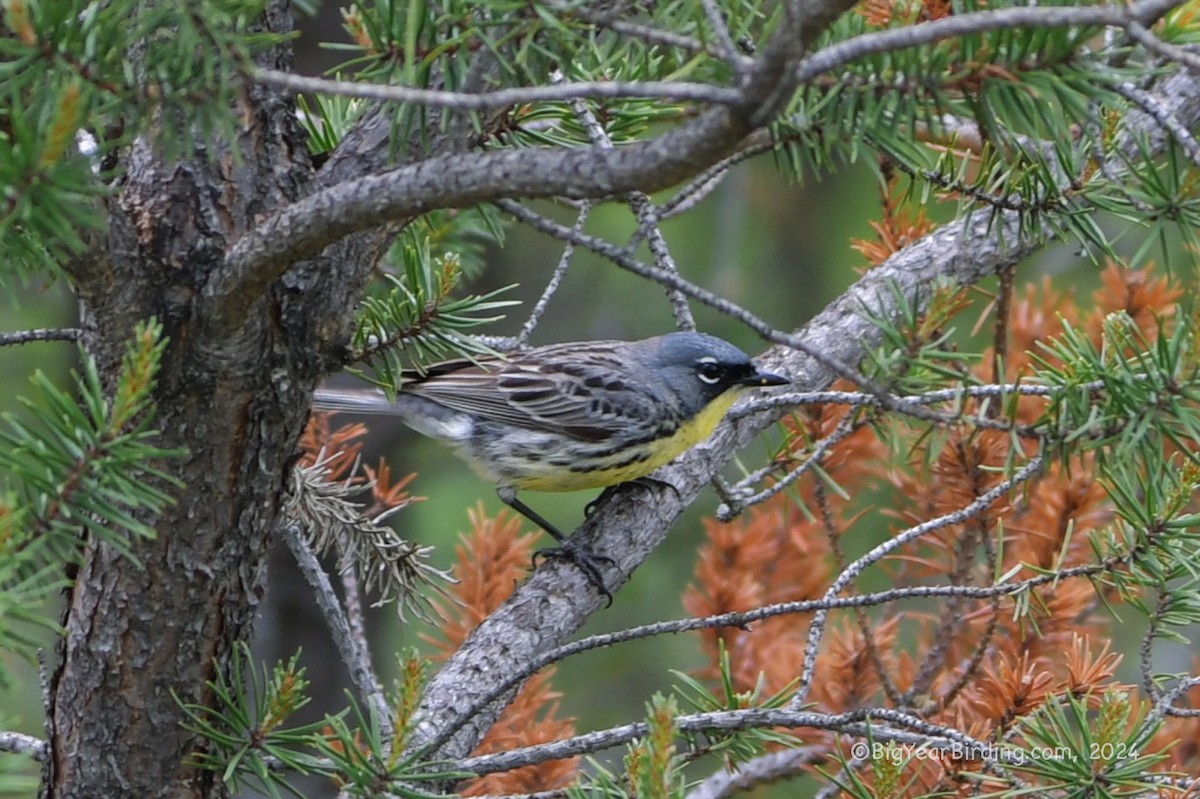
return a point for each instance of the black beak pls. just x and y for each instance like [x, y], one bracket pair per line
[761, 378]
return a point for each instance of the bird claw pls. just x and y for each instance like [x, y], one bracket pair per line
[590, 508]
[584, 559]
[644, 482]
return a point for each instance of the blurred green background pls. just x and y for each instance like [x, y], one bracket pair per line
[780, 250]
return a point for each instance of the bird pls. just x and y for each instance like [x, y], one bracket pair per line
[570, 416]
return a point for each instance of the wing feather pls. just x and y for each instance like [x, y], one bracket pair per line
[585, 395]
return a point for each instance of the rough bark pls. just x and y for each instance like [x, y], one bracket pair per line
[142, 636]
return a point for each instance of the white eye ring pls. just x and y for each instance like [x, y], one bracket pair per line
[715, 376]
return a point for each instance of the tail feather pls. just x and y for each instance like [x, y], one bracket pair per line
[368, 400]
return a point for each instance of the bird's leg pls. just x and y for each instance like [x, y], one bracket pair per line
[645, 482]
[566, 549]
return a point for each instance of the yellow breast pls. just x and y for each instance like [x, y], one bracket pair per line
[652, 455]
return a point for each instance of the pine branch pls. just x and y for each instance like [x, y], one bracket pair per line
[306, 227]
[417, 322]
[735, 501]
[651, 35]
[725, 46]
[1181, 55]
[745, 619]
[635, 520]
[89, 464]
[1164, 707]
[309, 225]
[630, 524]
[329, 521]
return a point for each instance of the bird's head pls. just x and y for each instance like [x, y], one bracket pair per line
[699, 368]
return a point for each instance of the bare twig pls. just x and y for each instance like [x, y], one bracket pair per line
[852, 571]
[1003, 313]
[646, 215]
[648, 220]
[353, 650]
[40, 334]
[902, 728]
[1165, 706]
[1163, 115]
[933, 660]
[961, 680]
[20, 744]
[556, 277]
[957, 394]
[730, 510]
[726, 47]
[1184, 712]
[623, 259]
[701, 185]
[501, 98]
[758, 771]
[1146, 648]
[1181, 55]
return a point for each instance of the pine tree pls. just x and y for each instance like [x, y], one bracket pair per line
[233, 233]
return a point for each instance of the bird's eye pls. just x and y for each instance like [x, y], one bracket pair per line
[708, 370]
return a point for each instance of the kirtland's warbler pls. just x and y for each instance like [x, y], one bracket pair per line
[566, 417]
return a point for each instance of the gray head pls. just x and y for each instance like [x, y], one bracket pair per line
[698, 367]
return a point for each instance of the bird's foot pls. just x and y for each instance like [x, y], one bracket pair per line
[608, 491]
[644, 482]
[584, 559]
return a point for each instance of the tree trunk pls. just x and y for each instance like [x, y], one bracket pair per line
[142, 634]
